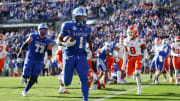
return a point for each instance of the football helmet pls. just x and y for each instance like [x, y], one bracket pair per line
[1, 36]
[132, 32]
[157, 41]
[108, 44]
[42, 26]
[165, 42]
[79, 16]
[177, 40]
[121, 40]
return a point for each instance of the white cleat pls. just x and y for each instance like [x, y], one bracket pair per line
[125, 81]
[177, 83]
[156, 82]
[63, 91]
[165, 80]
[95, 87]
[139, 91]
[24, 93]
[122, 82]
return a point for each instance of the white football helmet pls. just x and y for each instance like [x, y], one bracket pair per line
[79, 12]
[108, 45]
[165, 42]
[132, 32]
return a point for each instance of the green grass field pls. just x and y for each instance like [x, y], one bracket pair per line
[47, 90]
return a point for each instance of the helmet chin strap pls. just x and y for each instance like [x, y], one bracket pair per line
[42, 33]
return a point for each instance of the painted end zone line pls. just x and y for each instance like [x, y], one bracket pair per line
[111, 96]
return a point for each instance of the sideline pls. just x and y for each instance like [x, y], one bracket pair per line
[116, 94]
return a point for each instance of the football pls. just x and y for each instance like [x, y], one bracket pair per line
[69, 41]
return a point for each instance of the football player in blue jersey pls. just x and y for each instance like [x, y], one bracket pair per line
[157, 43]
[37, 45]
[164, 51]
[74, 55]
[102, 59]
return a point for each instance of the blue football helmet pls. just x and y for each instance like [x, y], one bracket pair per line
[79, 12]
[108, 45]
[165, 42]
[42, 26]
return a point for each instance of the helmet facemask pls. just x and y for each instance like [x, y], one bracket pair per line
[81, 20]
[79, 16]
[42, 29]
[130, 35]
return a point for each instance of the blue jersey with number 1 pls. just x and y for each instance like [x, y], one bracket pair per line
[37, 48]
[80, 34]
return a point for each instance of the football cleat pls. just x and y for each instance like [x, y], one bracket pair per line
[122, 82]
[94, 87]
[156, 82]
[63, 91]
[165, 80]
[24, 93]
[172, 80]
[177, 83]
[139, 91]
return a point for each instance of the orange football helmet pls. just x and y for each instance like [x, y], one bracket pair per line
[157, 41]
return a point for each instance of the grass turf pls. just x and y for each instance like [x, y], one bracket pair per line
[47, 90]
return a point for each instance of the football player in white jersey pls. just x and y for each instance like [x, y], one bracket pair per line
[175, 52]
[132, 54]
[92, 76]
[118, 56]
[59, 56]
[3, 52]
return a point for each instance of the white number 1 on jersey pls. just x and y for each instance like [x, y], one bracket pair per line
[81, 42]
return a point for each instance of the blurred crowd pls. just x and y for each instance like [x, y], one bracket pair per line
[161, 21]
[47, 10]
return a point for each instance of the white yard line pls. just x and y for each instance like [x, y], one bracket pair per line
[120, 93]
